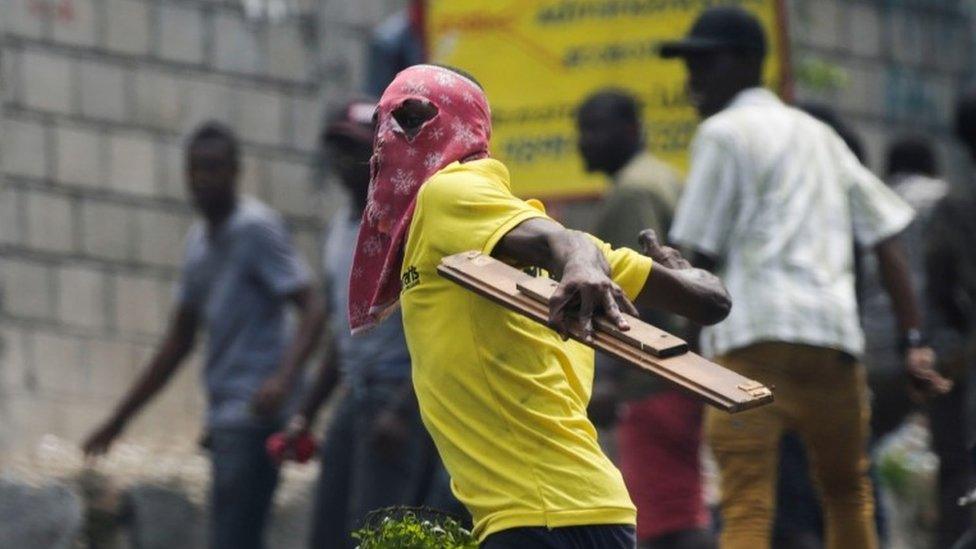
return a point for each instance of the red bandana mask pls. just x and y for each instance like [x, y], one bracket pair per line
[459, 131]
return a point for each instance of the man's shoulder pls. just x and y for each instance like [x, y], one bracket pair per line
[458, 182]
[254, 217]
[647, 174]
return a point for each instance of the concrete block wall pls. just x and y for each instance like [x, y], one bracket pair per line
[98, 96]
[903, 62]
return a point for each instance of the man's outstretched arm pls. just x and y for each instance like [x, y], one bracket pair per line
[586, 287]
[175, 346]
[919, 357]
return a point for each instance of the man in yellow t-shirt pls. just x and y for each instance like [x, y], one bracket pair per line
[503, 397]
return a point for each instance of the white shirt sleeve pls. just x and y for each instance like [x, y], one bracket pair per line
[706, 211]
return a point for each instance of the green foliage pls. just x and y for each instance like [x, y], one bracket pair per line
[819, 75]
[403, 528]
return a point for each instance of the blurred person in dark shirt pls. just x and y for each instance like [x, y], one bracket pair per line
[658, 431]
[375, 452]
[950, 265]
[912, 172]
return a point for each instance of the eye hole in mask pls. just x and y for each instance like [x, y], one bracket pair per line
[412, 114]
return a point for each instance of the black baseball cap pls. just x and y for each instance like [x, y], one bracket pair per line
[723, 28]
[351, 120]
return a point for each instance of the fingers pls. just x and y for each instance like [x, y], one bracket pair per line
[612, 310]
[623, 301]
[649, 242]
[594, 298]
[558, 310]
[587, 303]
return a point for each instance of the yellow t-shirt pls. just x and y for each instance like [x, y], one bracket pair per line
[503, 397]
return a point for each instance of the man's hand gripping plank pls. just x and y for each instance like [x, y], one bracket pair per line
[589, 307]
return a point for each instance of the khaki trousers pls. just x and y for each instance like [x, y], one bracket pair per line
[821, 394]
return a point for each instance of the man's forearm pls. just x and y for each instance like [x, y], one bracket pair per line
[544, 243]
[676, 286]
[325, 383]
[585, 287]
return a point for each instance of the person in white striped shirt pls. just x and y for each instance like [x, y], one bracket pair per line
[773, 201]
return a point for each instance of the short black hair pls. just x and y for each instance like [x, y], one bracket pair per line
[911, 154]
[620, 103]
[215, 131]
[965, 122]
[461, 72]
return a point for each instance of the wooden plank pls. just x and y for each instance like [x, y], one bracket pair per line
[641, 334]
[642, 347]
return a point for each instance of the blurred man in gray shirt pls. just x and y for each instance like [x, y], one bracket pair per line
[240, 274]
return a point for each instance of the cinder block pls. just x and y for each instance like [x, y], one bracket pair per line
[20, 20]
[307, 116]
[107, 230]
[132, 164]
[11, 228]
[259, 116]
[26, 289]
[137, 305]
[79, 29]
[80, 159]
[50, 223]
[343, 59]
[157, 99]
[102, 89]
[161, 237]
[942, 90]
[864, 91]
[290, 190]
[127, 26]
[24, 148]
[172, 169]
[237, 47]
[57, 364]
[46, 81]
[204, 100]
[864, 22]
[950, 39]
[112, 365]
[34, 415]
[288, 54]
[170, 417]
[81, 297]
[181, 33]
[354, 14]
[14, 365]
[908, 31]
[824, 23]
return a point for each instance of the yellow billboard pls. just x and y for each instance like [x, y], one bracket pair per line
[538, 59]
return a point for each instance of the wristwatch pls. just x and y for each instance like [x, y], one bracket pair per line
[912, 339]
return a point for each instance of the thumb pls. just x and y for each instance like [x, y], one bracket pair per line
[649, 242]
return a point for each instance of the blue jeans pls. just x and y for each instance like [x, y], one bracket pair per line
[356, 478]
[244, 481]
